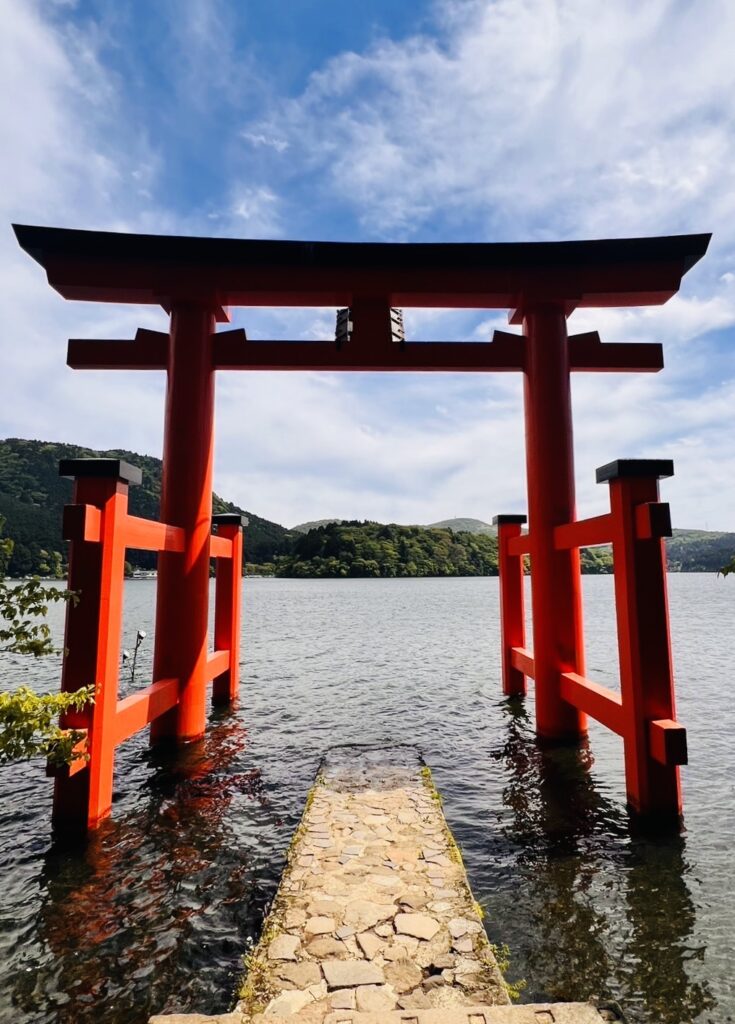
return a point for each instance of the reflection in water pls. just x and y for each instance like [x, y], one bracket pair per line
[582, 861]
[137, 896]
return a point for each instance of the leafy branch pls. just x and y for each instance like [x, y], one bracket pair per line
[28, 721]
[21, 608]
[28, 724]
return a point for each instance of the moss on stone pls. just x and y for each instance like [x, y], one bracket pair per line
[256, 988]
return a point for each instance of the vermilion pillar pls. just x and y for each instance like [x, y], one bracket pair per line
[186, 501]
[92, 639]
[512, 621]
[646, 671]
[227, 607]
[555, 575]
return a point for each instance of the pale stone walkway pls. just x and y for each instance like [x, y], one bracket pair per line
[374, 921]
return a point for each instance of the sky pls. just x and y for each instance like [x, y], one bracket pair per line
[417, 120]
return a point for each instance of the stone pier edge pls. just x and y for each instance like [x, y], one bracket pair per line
[254, 991]
[496, 958]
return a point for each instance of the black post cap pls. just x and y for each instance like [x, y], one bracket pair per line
[630, 469]
[230, 519]
[506, 519]
[110, 469]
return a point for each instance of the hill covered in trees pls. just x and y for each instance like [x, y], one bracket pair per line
[373, 549]
[32, 496]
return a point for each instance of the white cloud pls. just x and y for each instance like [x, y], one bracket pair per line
[257, 208]
[260, 139]
[538, 116]
[524, 118]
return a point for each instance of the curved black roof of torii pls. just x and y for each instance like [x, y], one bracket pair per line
[120, 267]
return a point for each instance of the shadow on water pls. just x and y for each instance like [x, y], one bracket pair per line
[591, 904]
[159, 899]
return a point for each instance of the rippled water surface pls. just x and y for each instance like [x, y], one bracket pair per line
[155, 913]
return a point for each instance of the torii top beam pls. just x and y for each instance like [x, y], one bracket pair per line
[104, 266]
[370, 278]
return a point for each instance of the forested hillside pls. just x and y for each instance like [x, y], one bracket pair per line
[371, 549]
[699, 550]
[32, 495]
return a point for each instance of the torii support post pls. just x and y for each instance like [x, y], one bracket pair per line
[182, 606]
[558, 639]
[92, 640]
[228, 602]
[512, 604]
[643, 711]
[655, 744]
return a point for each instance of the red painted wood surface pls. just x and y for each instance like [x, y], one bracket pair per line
[100, 530]
[556, 596]
[512, 612]
[186, 501]
[228, 588]
[643, 712]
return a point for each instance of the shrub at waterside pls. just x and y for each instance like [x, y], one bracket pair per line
[28, 721]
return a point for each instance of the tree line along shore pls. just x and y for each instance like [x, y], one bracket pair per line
[32, 496]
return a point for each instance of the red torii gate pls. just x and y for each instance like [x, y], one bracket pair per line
[195, 280]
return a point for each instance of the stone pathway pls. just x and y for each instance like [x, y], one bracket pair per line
[374, 920]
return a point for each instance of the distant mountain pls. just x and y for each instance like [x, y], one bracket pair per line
[464, 526]
[314, 525]
[455, 525]
[32, 495]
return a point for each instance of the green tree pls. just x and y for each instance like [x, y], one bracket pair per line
[28, 721]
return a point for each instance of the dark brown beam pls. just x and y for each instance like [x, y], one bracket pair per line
[111, 267]
[148, 351]
[233, 352]
[587, 352]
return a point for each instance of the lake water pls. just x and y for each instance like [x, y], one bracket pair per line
[157, 910]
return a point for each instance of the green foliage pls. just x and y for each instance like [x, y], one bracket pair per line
[373, 550]
[502, 957]
[27, 719]
[22, 607]
[596, 561]
[699, 550]
[28, 724]
[725, 570]
[264, 569]
[32, 495]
